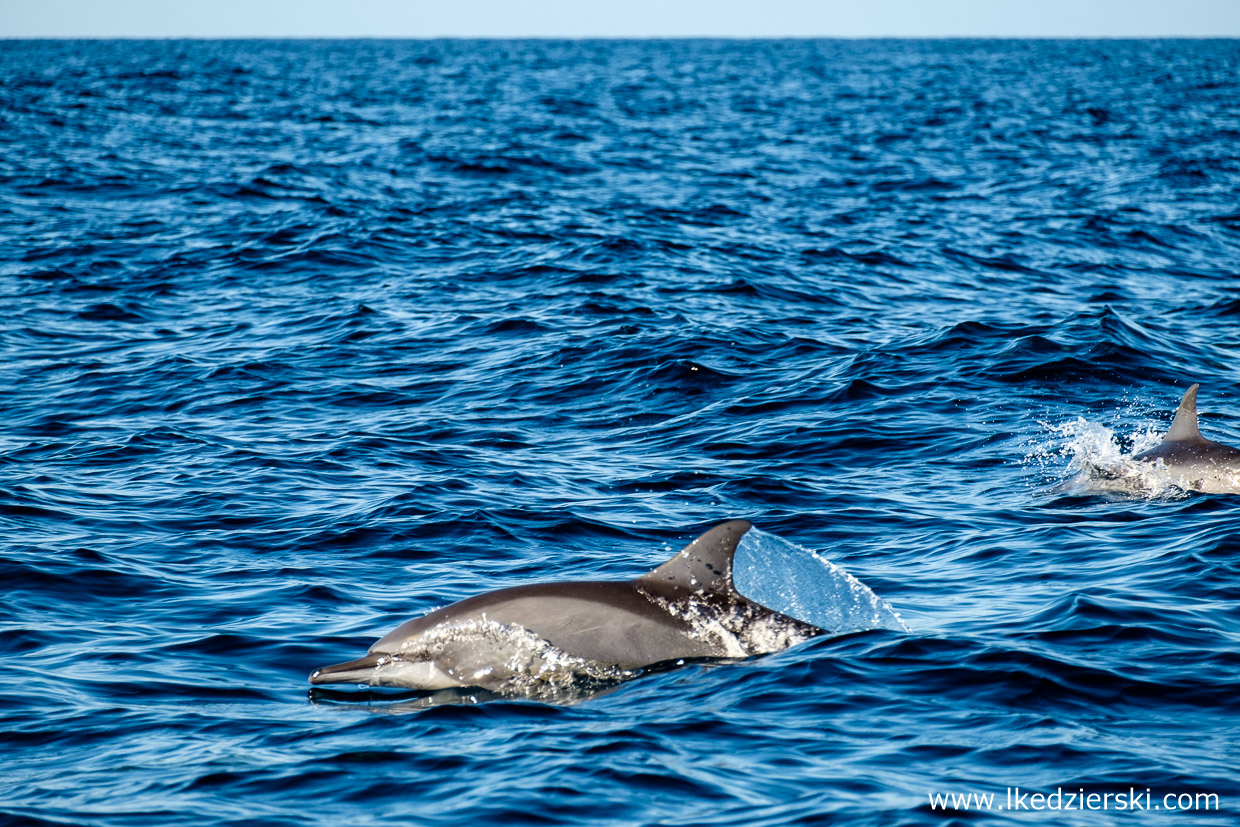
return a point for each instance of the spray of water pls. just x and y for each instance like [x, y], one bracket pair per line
[1087, 458]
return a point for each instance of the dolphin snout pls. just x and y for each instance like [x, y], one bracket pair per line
[361, 670]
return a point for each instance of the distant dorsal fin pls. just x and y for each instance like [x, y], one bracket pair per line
[1184, 428]
[705, 565]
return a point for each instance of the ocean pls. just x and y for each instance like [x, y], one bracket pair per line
[303, 339]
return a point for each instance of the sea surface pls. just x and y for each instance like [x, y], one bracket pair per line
[302, 339]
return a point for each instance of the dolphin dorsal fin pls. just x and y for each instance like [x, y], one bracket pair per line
[1184, 427]
[705, 565]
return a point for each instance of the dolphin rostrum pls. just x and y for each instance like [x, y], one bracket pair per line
[520, 638]
[1195, 462]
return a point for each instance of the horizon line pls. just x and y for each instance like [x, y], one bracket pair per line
[629, 37]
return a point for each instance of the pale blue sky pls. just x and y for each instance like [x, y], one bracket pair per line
[627, 18]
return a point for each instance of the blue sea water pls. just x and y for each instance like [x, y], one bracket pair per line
[302, 339]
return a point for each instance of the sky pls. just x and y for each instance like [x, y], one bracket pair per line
[627, 18]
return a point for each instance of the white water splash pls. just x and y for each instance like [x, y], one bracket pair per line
[802, 584]
[1097, 460]
[736, 630]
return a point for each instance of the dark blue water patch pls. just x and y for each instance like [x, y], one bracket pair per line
[302, 339]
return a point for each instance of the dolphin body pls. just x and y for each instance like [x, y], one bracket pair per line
[686, 608]
[1197, 463]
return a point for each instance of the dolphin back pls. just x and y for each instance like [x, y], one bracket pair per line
[1193, 462]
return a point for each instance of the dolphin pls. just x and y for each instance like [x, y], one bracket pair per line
[1197, 463]
[517, 638]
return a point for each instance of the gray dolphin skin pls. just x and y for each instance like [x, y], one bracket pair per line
[1198, 463]
[686, 608]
